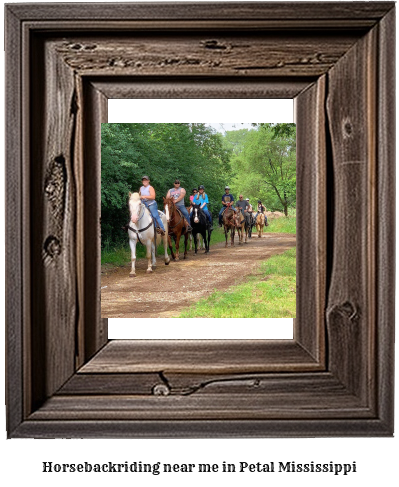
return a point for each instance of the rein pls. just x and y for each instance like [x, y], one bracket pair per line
[181, 217]
[231, 220]
[137, 232]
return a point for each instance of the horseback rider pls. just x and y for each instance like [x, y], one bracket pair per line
[193, 194]
[178, 193]
[227, 201]
[147, 196]
[250, 212]
[261, 209]
[201, 199]
[243, 204]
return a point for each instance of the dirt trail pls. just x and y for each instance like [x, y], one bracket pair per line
[169, 289]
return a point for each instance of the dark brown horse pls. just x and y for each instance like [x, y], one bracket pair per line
[177, 227]
[230, 223]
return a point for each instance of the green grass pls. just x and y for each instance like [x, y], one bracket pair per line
[119, 255]
[270, 293]
[281, 225]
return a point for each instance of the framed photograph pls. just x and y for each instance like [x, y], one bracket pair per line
[65, 378]
[241, 293]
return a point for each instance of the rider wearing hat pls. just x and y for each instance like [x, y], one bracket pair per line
[261, 209]
[178, 193]
[147, 196]
[243, 204]
[201, 199]
[227, 201]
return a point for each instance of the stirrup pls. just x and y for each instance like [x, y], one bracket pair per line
[160, 231]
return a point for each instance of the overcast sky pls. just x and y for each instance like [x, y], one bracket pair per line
[224, 127]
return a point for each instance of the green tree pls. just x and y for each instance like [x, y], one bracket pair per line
[194, 153]
[272, 155]
[264, 167]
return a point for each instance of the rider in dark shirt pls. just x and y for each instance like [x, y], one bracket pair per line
[261, 209]
[244, 205]
[227, 200]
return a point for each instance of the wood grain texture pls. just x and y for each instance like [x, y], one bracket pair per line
[175, 87]
[184, 384]
[341, 11]
[312, 213]
[261, 54]
[94, 331]
[385, 245]
[53, 219]
[269, 396]
[190, 428]
[351, 308]
[200, 356]
[14, 261]
[200, 389]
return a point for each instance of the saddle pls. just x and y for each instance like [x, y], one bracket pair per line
[181, 217]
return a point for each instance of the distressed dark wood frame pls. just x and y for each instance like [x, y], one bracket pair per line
[64, 379]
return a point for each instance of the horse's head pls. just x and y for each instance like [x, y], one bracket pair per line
[134, 206]
[236, 219]
[169, 207]
[196, 213]
[260, 220]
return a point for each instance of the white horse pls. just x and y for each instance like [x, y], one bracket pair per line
[141, 228]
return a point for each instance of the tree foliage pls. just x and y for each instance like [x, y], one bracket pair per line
[266, 167]
[194, 153]
[259, 163]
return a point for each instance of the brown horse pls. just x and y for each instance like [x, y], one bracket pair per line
[230, 222]
[260, 223]
[177, 227]
[240, 225]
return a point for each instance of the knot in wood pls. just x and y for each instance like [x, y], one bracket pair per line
[347, 128]
[213, 44]
[51, 248]
[161, 390]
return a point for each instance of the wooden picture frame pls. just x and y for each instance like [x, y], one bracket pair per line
[335, 378]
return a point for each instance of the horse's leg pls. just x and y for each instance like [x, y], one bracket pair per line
[191, 242]
[205, 238]
[225, 234]
[153, 253]
[132, 244]
[195, 238]
[185, 244]
[165, 247]
[171, 248]
[148, 246]
[177, 243]
[233, 231]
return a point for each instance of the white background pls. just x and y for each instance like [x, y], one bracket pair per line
[21, 459]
